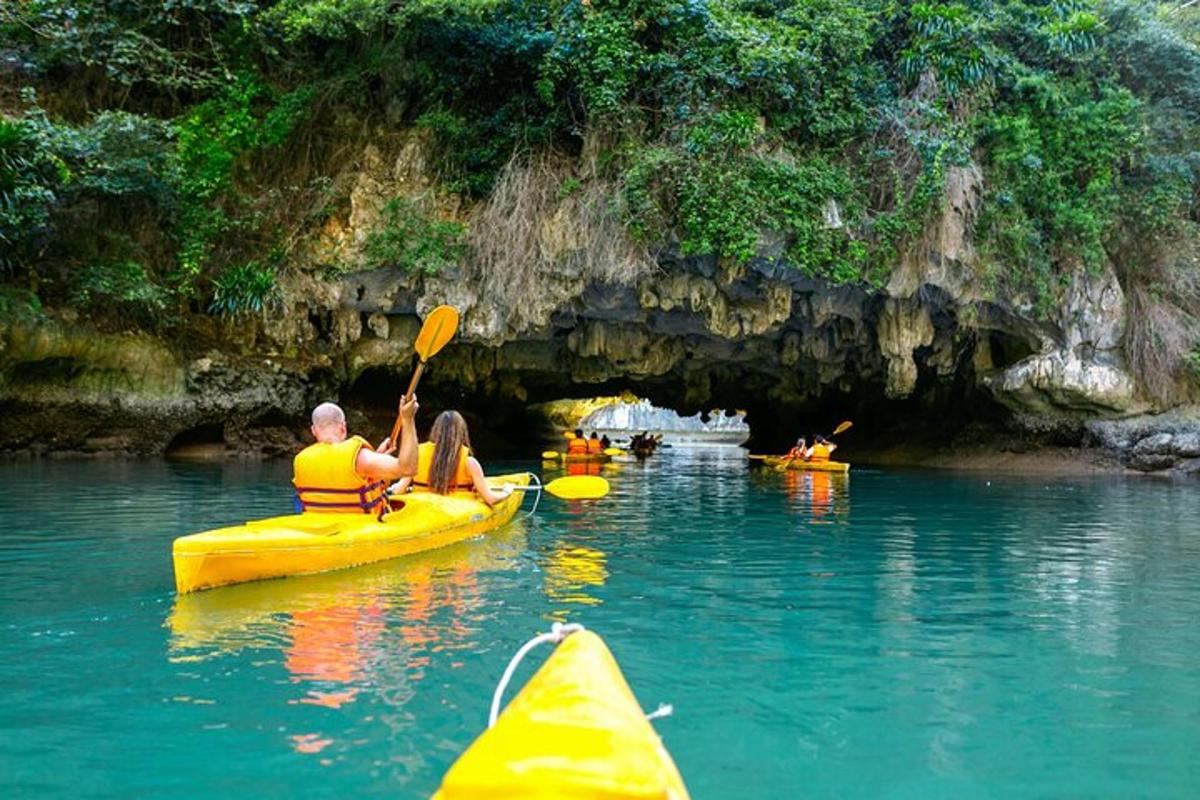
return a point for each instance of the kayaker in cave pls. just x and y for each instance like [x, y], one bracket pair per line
[577, 445]
[340, 473]
[445, 463]
[605, 442]
[594, 445]
[821, 450]
[799, 452]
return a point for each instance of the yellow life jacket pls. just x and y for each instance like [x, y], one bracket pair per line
[820, 452]
[462, 477]
[327, 480]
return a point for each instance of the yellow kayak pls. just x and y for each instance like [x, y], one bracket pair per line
[574, 732]
[799, 464]
[300, 544]
[575, 458]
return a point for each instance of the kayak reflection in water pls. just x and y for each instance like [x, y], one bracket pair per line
[445, 463]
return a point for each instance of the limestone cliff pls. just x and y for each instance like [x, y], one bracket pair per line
[690, 333]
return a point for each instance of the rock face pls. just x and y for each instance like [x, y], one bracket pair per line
[688, 333]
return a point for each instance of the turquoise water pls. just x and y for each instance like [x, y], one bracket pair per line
[897, 635]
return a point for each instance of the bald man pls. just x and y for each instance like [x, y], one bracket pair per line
[344, 474]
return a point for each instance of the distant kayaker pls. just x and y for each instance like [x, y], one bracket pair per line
[340, 473]
[594, 446]
[821, 449]
[605, 442]
[577, 445]
[445, 463]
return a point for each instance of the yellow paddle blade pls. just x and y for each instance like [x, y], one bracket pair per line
[613, 451]
[568, 435]
[438, 329]
[756, 458]
[578, 487]
[845, 426]
[549, 454]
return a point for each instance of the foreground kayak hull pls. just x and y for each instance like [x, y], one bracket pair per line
[575, 731]
[301, 544]
[805, 466]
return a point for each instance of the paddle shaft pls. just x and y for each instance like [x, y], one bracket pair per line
[412, 388]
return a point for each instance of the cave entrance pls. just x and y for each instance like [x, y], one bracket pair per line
[201, 441]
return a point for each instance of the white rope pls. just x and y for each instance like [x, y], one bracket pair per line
[538, 497]
[663, 710]
[558, 632]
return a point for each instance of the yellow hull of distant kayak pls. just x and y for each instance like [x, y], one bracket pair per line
[301, 544]
[807, 466]
[575, 732]
[589, 458]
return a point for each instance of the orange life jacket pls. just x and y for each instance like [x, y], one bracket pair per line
[326, 479]
[594, 446]
[820, 452]
[462, 477]
[577, 446]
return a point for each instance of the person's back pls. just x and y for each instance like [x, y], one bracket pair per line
[460, 475]
[343, 474]
[445, 463]
[821, 450]
[577, 445]
[593, 444]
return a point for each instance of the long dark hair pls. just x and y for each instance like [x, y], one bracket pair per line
[449, 435]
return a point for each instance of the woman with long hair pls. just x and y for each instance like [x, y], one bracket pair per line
[445, 463]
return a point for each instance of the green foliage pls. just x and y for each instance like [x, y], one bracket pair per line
[123, 289]
[410, 238]
[244, 289]
[30, 179]
[214, 140]
[162, 48]
[821, 132]
[1054, 151]
[19, 304]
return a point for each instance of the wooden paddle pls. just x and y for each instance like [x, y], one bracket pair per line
[436, 332]
[573, 487]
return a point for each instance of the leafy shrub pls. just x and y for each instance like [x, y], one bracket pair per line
[244, 289]
[123, 289]
[30, 179]
[412, 239]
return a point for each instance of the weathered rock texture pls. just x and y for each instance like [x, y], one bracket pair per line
[691, 333]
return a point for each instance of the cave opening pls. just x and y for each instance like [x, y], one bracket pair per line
[199, 441]
[506, 415]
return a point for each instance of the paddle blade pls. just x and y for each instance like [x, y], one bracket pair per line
[549, 454]
[753, 457]
[845, 426]
[613, 451]
[568, 435]
[436, 332]
[578, 487]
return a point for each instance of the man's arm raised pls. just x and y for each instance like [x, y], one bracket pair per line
[378, 465]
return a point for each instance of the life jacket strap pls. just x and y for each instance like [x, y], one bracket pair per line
[363, 504]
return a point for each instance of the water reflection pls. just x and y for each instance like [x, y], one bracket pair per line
[571, 569]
